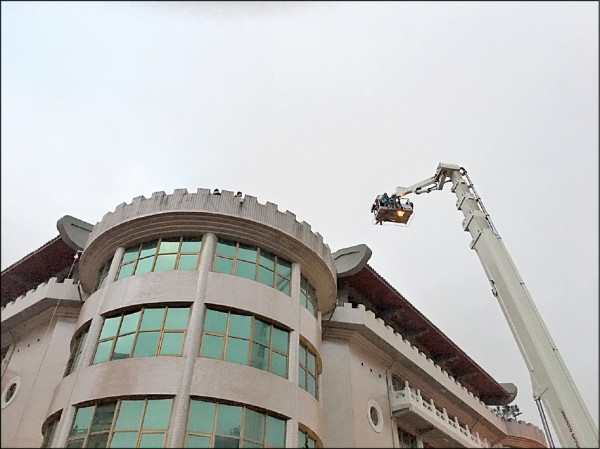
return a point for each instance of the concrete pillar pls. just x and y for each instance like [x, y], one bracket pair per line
[291, 428]
[68, 413]
[181, 404]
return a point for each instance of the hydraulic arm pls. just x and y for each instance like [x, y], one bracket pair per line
[552, 383]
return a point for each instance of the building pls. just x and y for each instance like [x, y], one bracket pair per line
[204, 320]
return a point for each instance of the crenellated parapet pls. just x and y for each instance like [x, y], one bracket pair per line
[357, 318]
[35, 301]
[199, 212]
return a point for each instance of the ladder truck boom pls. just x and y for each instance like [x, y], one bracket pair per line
[550, 378]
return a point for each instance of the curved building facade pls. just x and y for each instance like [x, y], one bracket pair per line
[203, 320]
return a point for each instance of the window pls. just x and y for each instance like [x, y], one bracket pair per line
[212, 424]
[76, 348]
[250, 262]
[246, 340]
[307, 370]
[144, 333]
[179, 253]
[305, 440]
[122, 423]
[407, 439]
[49, 433]
[103, 274]
[308, 296]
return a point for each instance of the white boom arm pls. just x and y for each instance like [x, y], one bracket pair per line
[550, 377]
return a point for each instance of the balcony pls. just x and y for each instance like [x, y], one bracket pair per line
[433, 423]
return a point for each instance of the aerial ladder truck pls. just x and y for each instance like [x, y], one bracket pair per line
[550, 378]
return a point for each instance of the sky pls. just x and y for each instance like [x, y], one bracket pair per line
[318, 107]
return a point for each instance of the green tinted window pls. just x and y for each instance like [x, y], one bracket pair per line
[226, 248]
[166, 254]
[152, 319]
[245, 269]
[103, 417]
[254, 263]
[215, 321]
[131, 254]
[223, 265]
[103, 351]
[201, 416]
[172, 343]
[157, 414]
[125, 271]
[152, 440]
[148, 249]
[247, 341]
[191, 245]
[123, 439]
[129, 323]
[82, 422]
[307, 370]
[130, 414]
[123, 423]
[254, 426]
[262, 332]
[177, 318]
[237, 351]
[308, 296]
[280, 340]
[229, 420]
[141, 332]
[188, 262]
[146, 344]
[239, 325]
[123, 347]
[165, 262]
[169, 246]
[110, 327]
[275, 432]
[229, 425]
[212, 346]
[197, 441]
[144, 265]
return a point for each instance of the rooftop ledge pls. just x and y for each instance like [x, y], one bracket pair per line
[364, 321]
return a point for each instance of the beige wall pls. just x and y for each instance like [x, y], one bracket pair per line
[39, 359]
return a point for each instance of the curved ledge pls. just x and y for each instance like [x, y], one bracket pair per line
[199, 213]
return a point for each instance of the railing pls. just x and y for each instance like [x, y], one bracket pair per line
[436, 416]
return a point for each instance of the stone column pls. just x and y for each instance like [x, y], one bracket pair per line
[181, 404]
[68, 413]
[291, 428]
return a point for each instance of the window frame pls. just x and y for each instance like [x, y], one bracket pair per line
[76, 349]
[304, 368]
[138, 330]
[237, 260]
[241, 438]
[134, 262]
[115, 416]
[251, 340]
[306, 298]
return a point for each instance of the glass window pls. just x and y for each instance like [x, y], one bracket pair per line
[246, 340]
[76, 348]
[103, 275]
[121, 423]
[307, 370]
[308, 296]
[254, 263]
[212, 424]
[49, 433]
[179, 253]
[148, 332]
[305, 440]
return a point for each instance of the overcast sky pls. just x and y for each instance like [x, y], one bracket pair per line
[318, 107]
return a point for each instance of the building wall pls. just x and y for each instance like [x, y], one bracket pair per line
[189, 376]
[39, 359]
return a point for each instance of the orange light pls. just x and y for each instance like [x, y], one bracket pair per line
[400, 213]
